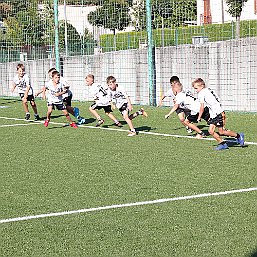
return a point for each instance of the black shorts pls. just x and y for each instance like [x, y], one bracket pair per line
[29, 98]
[67, 100]
[107, 108]
[218, 121]
[205, 116]
[59, 107]
[180, 110]
[124, 108]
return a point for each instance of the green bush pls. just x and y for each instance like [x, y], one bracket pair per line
[177, 36]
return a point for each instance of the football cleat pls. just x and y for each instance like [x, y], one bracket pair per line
[241, 139]
[81, 121]
[144, 113]
[46, 123]
[36, 117]
[27, 116]
[73, 125]
[132, 133]
[118, 124]
[99, 123]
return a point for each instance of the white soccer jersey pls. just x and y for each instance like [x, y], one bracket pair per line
[188, 101]
[22, 83]
[119, 96]
[52, 90]
[67, 86]
[169, 93]
[101, 94]
[211, 100]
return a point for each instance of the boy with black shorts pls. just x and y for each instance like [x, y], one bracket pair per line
[211, 100]
[192, 105]
[181, 112]
[102, 100]
[123, 103]
[22, 81]
[55, 93]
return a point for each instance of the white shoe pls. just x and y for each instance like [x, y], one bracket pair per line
[132, 133]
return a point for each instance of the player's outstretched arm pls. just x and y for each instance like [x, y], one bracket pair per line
[174, 108]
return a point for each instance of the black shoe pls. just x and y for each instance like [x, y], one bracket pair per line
[27, 116]
[36, 117]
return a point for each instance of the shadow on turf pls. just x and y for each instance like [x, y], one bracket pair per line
[254, 254]
[145, 128]
[231, 143]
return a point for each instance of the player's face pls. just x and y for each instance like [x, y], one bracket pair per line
[197, 87]
[112, 85]
[89, 81]
[21, 72]
[56, 78]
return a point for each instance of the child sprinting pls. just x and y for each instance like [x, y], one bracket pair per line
[211, 100]
[55, 90]
[123, 103]
[67, 97]
[181, 112]
[102, 100]
[22, 81]
[189, 102]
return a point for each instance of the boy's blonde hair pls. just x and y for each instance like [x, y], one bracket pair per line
[91, 76]
[110, 79]
[199, 81]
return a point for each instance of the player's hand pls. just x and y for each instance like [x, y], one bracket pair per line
[167, 116]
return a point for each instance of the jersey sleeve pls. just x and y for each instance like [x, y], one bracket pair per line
[169, 93]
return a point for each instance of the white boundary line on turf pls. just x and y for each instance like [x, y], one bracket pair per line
[14, 125]
[123, 130]
[116, 206]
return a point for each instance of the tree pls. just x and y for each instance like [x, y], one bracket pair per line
[172, 13]
[112, 15]
[235, 8]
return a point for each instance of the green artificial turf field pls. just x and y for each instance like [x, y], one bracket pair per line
[59, 168]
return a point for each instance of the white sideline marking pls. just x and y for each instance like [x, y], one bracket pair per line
[14, 125]
[115, 206]
[123, 130]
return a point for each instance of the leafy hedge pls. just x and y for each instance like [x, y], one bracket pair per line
[177, 36]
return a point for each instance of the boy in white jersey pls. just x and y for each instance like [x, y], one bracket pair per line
[181, 112]
[210, 99]
[56, 90]
[189, 102]
[21, 80]
[67, 97]
[102, 100]
[123, 103]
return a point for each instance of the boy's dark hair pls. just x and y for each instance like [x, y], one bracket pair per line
[55, 72]
[20, 66]
[52, 69]
[110, 78]
[174, 79]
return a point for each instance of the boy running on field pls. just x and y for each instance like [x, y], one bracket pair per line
[22, 81]
[189, 102]
[181, 112]
[102, 100]
[56, 90]
[67, 97]
[211, 100]
[123, 103]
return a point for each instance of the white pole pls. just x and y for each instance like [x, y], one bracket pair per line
[66, 32]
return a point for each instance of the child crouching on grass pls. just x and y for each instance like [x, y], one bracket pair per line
[123, 103]
[208, 98]
[55, 98]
